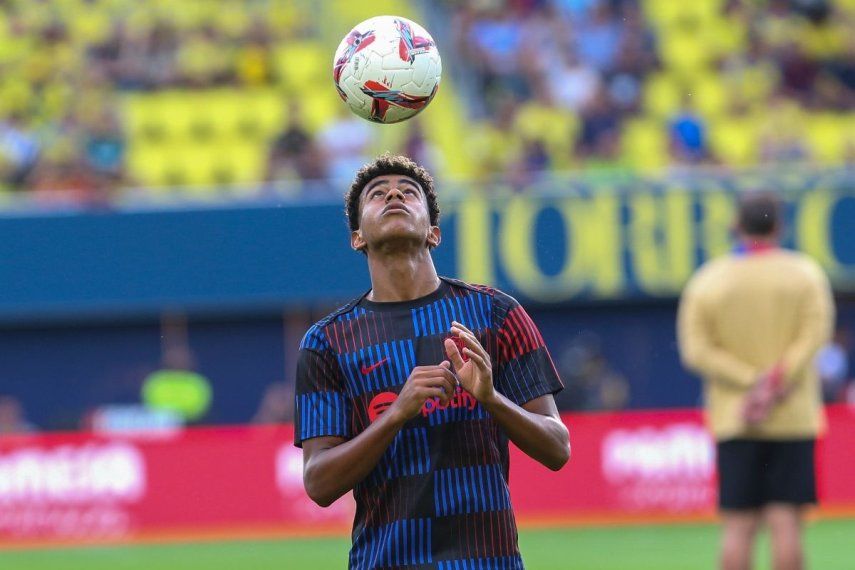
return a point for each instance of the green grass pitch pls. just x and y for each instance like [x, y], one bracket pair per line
[666, 547]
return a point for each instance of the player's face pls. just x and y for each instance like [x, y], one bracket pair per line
[394, 210]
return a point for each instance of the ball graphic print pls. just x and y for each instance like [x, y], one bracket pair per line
[387, 69]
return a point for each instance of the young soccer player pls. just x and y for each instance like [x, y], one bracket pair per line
[409, 394]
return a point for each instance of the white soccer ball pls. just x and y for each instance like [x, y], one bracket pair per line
[387, 69]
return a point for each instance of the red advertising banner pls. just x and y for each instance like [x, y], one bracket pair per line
[247, 481]
[657, 465]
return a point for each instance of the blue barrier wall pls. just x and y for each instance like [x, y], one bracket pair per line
[603, 245]
[81, 295]
[61, 372]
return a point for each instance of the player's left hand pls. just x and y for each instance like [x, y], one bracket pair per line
[472, 365]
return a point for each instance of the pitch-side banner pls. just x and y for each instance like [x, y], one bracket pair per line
[248, 481]
[560, 240]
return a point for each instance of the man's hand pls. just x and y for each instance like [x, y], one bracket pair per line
[768, 391]
[424, 382]
[472, 364]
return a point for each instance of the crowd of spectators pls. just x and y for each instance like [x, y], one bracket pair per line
[555, 82]
[593, 63]
[66, 64]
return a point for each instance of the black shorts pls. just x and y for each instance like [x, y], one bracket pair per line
[753, 473]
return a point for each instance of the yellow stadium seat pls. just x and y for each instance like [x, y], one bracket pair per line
[685, 52]
[198, 165]
[186, 14]
[753, 84]
[232, 18]
[240, 164]
[260, 115]
[661, 13]
[179, 168]
[824, 41]
[343, 14]
[556, 128]
[662, 95]
[708, 95]
[145, 120]
[15, 94]
[644, 144]
[491, 150]
[147, 165]
[303, 66]
[671, 13]
[88, 24]
[734, 140]
[827, 136]
[729, 36]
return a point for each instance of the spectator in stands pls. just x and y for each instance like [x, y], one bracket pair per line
[201, 61]
[572, 84]
[295, 153]
[590, 382]
[254, 60]
[782, 132]
[417, 147]
[67, 179]
[635, 59]
[531, 166]
[688, 136]
[12, 418]
[493, 146]
[598, 40]
[576, 10]
[544, 37]
[345, 143]
[494, 41]
[769, 55]
[600, 125]
[798, 73]
[833, 366]
[105, 146]
[842, 68]
[19, 149]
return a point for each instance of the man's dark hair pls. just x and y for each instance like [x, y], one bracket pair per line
[385, 164]
[759, 213]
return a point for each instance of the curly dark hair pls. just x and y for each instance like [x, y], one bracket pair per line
[388, 163]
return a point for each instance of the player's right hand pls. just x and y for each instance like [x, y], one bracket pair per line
[425, 382]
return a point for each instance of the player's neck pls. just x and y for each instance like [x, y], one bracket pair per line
[758, 243]
[401, 277]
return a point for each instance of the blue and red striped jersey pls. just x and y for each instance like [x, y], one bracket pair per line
[439, 496]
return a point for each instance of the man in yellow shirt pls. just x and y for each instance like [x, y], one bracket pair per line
[750, 324]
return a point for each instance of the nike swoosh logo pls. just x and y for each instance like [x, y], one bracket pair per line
[369, 369]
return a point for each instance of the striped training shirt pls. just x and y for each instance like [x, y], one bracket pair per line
[438, 498]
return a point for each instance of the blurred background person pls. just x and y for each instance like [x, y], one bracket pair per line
[590, 382]
[177, 388]
[12, 417]
[833, 364]
[295, 153]
[277, 404]
[751, 324]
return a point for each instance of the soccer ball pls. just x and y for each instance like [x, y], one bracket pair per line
[387, 69]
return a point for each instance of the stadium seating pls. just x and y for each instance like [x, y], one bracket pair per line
[240, 64]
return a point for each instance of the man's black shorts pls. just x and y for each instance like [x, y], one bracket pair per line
[753, 473]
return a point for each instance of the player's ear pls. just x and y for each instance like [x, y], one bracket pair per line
[434, 236]
[356, 240]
